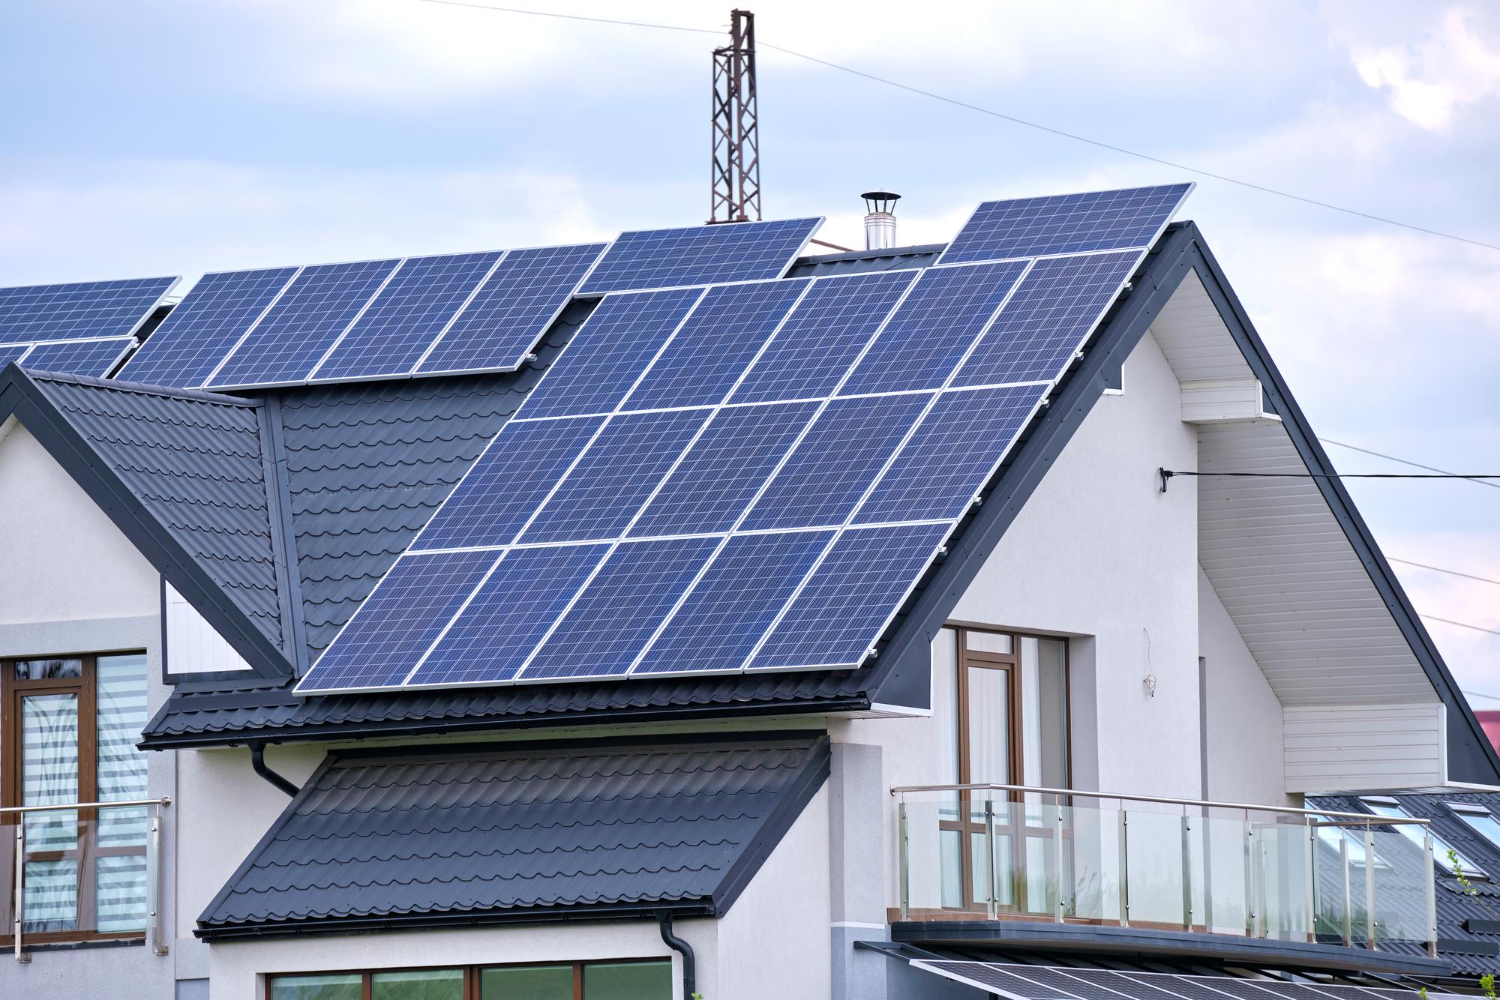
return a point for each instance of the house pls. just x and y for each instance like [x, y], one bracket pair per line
[692, 614]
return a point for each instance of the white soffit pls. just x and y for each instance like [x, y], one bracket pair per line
[1194, 339]
[1290, 580]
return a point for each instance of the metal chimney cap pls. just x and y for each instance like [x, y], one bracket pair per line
[880, 201]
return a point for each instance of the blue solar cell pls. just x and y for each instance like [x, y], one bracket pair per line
[202, 329]
[951, 456]
[618, 611]
[850, 598]
[739, 596]
[933, 328]
[509, 615]
[833, 466]
[13, 352]
[1047, 320]
[80, 309]
[1101, 220]
[666, 258]
[513, 309]
[417, 304]
[615, 476]
[315, 309]
[724, 469]
[822, 338]
[78, 357]
[396, 623]
[609, 353]
[710, 352]
[507, 483]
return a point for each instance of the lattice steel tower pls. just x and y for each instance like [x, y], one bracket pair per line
[736, 134]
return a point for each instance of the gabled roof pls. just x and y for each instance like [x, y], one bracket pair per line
[484, 834]
[221, 711]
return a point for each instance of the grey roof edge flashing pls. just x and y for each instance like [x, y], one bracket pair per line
[900, 675]
[1471, 757]
[906, 251]
[1074, 938]
[814, 773]
[145, 389]
[21, 398]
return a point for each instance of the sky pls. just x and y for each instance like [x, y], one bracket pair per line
[176, 138]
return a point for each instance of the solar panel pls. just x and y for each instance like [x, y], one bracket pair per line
[720, 622]
[422, 298]
[295, 333]
[614, 615]
[850, 598]
[398, 621]
[1030, 982]
[1053, 310]
[709, 354]
[512, 310]
[85, 309]
[934, 327]
[771, 465]
[505, 486]
[1073, 223]
[13, 352]
[519, 601]
[204, 327]
[701, 255]
[609, 353]
[724, 469]
[814, 350]
[78, 357]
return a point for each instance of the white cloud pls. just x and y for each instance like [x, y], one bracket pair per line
[1454, 65]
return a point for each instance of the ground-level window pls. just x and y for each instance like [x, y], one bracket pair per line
[622, 980]
[1001, 712]
[68, 729]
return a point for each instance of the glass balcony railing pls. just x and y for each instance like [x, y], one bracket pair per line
[82, 871]
[1017, 852]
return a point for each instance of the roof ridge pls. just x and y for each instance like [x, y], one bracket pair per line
[142, 388]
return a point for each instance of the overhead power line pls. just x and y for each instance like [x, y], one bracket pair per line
[1439, 569]
[1450, 621]
[1403, 461]
[955, 102]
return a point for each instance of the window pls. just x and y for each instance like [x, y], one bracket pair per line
[68, 728]
[1416, 834]
[1480, 820]
[1001, 715]
[620, 980]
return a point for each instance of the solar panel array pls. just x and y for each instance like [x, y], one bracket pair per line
[702, 255]
[1031, 982]
[363, 320]
[750, 476]
[83, 328]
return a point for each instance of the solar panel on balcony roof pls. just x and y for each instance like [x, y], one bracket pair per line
[94, 358]
[204, 327]
[701, 255]
[295, 333]
[655, 432]
[1071, 223]
[77, 310]
[511, 311]
[406, 318]
[1030, 982]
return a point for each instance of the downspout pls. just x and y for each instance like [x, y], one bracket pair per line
[677, 944]
[258, 764]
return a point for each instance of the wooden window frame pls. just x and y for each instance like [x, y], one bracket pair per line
[86, 688]
[472, 974]
[965, 825]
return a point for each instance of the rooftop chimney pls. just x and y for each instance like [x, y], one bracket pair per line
[880, 222]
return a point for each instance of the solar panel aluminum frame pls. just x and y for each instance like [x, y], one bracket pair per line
[1160, 229]
[782, 273]
[209, 384]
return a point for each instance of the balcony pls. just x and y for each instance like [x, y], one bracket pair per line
[81, 871]
[1015, 852]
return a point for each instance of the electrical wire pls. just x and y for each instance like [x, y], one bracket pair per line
[1450, 621]
[932, 95]
[1169, 473]
[1403, 461]
[1439, 569]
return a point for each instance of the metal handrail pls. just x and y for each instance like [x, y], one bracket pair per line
[165, 800]
[1367, 818]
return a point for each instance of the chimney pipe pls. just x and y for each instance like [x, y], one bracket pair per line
[880, 220]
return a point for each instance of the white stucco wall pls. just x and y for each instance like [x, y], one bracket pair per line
[1244, 718]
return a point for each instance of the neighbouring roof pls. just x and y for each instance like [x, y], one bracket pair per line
[480, 834]
[1468, 920]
